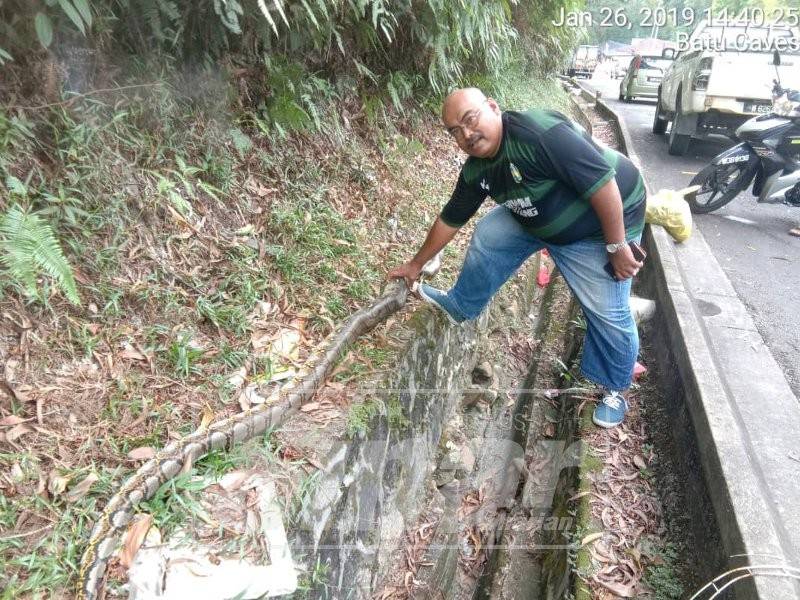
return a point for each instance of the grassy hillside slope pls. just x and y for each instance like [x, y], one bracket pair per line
[198, 235]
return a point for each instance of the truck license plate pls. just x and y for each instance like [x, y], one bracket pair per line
[757, 107]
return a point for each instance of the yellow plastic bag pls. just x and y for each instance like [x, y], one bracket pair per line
[669, 209]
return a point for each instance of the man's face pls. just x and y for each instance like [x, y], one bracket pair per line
[475, 124]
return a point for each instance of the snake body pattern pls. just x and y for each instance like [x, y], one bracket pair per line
[224, 434]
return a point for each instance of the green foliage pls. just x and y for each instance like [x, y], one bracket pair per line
[664, 577]
[411, 41]
[296, 97]
[176, 501]
[543, 44]
[395, 414]
[184, 356]
[44, 29]
[77, 12]
[225, 313]
[29, 248]
[313, 580]
[360, 415]
[514, 91]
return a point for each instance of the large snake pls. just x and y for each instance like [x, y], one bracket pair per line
[181, 454]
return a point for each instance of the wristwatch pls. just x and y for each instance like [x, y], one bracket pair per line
[612, 248]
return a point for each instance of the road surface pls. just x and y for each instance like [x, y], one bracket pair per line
[749, 240]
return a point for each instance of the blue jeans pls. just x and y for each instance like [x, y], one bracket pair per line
[497, 249]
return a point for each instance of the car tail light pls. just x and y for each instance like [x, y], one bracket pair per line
[704, 71]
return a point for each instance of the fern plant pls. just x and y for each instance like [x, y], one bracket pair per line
[28, 248]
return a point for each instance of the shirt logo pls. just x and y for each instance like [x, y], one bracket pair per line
[515, 173]
[522, 206]
[484, 185]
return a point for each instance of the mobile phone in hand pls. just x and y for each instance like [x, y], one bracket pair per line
[638, 253]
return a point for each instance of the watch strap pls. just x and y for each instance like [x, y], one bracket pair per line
[612, 248]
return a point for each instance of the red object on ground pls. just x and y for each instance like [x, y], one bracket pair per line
[638, 370]
[543, 278]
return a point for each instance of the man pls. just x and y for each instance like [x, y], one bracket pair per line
[556, 188]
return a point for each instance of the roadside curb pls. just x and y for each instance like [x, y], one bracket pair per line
[745, 418]
[626, 142]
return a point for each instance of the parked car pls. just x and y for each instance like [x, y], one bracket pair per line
[643, 77]
[619, 66]
[584, 61]
[722, 78]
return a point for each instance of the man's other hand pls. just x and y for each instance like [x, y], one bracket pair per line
[409, 271]
[625, 266]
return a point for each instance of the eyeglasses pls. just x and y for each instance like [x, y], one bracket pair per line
[468, 121]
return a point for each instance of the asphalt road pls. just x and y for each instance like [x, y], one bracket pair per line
[749, 240]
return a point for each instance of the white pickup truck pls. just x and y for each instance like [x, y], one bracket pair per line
[721, 77]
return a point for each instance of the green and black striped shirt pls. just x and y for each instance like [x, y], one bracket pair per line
[545, 171]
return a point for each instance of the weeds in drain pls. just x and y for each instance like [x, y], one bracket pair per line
[579, 322]
[664, 577]
[563, 370]
[309, 582]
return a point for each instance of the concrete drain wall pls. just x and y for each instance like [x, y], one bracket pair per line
[378, 486]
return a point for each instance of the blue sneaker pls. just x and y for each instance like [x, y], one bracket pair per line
[440, 300]
[611, 410]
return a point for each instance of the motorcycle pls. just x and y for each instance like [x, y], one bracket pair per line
[769, 155]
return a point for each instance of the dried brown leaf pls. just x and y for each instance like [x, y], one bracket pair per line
[56, 483]
[207, 419]
[134, 538]
[601, 558]
[141, 453]
[11, 420]
[17, 474]
[591, 537]
[18, 431]
[579, 495]
[639, 461]
[620, 589]
[314, 462]
[10, 370]
[131, 353]
[232, 481]
[80, 490]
